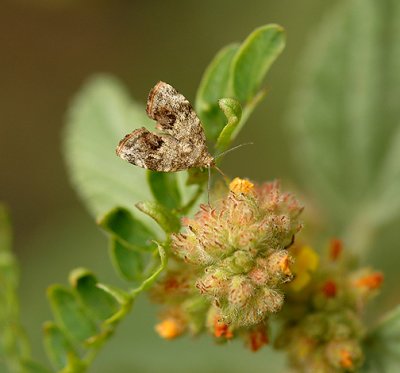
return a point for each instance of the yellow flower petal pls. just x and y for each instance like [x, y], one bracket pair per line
[243, 186]
[306, 262]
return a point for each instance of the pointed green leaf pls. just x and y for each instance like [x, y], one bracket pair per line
[382, 345]
[57, 345]
[165, 189]
[128, 262]
[99, 117]
[253, 60]
[99, 304]
[233, 112]
[69, 315]
[125, 227]
[213, 86]
[168, 221]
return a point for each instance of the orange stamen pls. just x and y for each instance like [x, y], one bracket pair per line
[329, 289]
[221, 329]
[371, 282]
[346, 361]
[258, 338]
[284, 265]
[335, 249]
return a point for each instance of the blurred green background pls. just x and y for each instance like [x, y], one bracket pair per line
[48, 49]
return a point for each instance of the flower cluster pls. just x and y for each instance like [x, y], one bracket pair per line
[322, 326]
[230, 265]
[240, 247]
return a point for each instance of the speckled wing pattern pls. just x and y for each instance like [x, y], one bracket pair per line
[180, 143]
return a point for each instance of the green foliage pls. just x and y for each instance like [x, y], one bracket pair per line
[165, 189]
[131, 232]
[233, 112]
[14, 345]
[237, 72]
[167, 220]
[346, 117]
[128, 262]
[214, 86]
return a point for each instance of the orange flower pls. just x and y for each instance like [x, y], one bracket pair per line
[221, 329]
[169, 328]
[258, 338]
[329, 289]
[335, 249]
[346, 360]
[371, 282]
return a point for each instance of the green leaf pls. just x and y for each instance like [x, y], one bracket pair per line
[346, 114]
[165, 189]
[128, 262]
[238, 72]
[14, 344]
[69, 315]
[146, 284]
[119, 295]
[233, 112]
[213, 86]
[126, 228]
[168, 221]
[99, 117]
[381, 346]
[99, 304]
[253, 60]
[57, 345]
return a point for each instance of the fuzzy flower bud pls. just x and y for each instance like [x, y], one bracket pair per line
[240, 246]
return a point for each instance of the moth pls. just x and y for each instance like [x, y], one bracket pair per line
[180, 142]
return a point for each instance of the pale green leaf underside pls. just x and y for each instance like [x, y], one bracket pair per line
[253, 60]
[100, 116]
[346, 112]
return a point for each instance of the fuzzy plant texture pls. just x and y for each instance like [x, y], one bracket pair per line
[251, 264]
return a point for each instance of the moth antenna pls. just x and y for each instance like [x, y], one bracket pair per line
[231, 149]
[220, 171]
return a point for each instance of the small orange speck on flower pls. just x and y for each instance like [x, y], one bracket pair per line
[371, 282]
[329, 289]
[169, 328]
[221, 329]
[258, 338]
[284, 265]
[335, 249]
[241, 186]
[346, 361]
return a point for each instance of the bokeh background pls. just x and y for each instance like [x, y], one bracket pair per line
[48, 48]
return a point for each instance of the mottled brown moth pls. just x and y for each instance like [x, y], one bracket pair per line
[180, 143]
